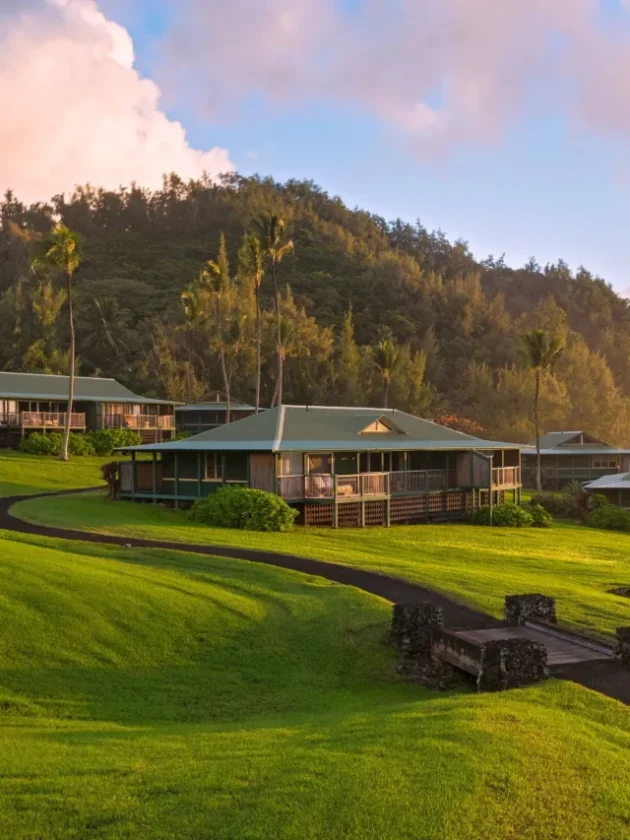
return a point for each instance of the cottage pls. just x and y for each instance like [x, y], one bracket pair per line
[572, 456]
[37, 402]
[204, 416]
[615, 487]
[338, 466]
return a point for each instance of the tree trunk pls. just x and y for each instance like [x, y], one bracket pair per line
[386, 391]
[189, 377]
[63, 456]
[276, 297]
[537, 428]
[258, 350]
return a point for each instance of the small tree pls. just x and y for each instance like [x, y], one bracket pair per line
[254, 256]
[62, 251]
[542, 350]
[193, 315]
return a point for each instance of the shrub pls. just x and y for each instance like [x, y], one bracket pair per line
[610, 517]
[80, 445]
[553, 503]
[39, 443]
[106, 440]
[541, 517]
[505, 516]
[248, 510]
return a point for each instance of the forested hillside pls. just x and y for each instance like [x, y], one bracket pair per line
[451, 325]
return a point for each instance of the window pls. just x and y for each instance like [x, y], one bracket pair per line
[236, 466]
[321, 464]
[213, 466]
[291, 463]
[604, 463]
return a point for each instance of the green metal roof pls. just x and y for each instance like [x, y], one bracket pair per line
[290, 428]
[216, 406]
[618, 481]
[43, 386]
[575, 450]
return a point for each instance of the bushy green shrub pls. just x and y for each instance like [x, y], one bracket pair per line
[504, 516]
[39, 443]
[553, 503]
[598, 500]
[541, 517]
[106, 440]
[610, 517]
[79, 444]
[248, 510]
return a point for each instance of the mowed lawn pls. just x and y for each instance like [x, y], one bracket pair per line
[477, 565]
[22, 474]
[152, 694]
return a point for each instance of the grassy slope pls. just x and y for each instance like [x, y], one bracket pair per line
[576, 564]
[21, 474]
[150, 694]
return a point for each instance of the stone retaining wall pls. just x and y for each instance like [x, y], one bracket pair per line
[511, 663]
[411, 627]
[622, 647]
[521, 608]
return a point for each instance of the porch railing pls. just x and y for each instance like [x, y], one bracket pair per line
[50, 420]
[140, 421]
[506, 477]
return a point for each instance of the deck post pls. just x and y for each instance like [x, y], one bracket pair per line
[363, 513]
[388, 512]
[199, 487]
[133, 474]
[176, 478]
[335, 503]
[491, 489]
[154, 476]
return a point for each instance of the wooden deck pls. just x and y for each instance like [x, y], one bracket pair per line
[562, 648]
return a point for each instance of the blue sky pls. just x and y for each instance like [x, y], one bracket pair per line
[538, 165]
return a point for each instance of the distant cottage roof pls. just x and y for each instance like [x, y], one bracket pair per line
[295, 428]
[43, 386]
[617, 481]
[235, 405]
[570, 443]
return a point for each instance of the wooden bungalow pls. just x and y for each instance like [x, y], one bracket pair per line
[338, 466]
[615, 487]
[34, 402]
[572, 456]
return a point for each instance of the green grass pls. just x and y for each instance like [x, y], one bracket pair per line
[22, 474]
[477, 565]
[155, 694]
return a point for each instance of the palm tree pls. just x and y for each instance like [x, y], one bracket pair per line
[215, 276]
[62, 251]
[386, 358]
[276, 246]
[192, 311]
[255, 257]
[541, 350]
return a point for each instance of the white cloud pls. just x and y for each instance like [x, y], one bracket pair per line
[76, 111]
[440, 72]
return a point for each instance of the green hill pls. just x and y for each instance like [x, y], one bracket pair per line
[153, 694]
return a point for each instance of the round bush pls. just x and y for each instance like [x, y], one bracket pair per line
[504, 516]
[248, 510]
[553, 503]
[541, 518]
[610, 517]
[106, 440]
[39, 443]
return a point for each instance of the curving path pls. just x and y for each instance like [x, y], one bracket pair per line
[607, 677]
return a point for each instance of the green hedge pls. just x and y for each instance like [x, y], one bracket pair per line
[541, 517]
[504, 516]
[245, 509]
[92, 443]
[610, 517]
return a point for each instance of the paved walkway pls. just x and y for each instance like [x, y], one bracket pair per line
[607, 677]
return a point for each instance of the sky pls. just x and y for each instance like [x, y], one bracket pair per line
[502, 122]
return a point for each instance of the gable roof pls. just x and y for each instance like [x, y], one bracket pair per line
[44, 386]
[290, 428]
[617, 481]
[552, 439]
[235, 405]
[562, 443]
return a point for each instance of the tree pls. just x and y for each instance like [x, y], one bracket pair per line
[253, 257]
[386, 359]
[272, 231]
[193, 315]
[62, 251]
[542, 350]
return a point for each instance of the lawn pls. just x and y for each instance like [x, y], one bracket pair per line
[22, 474]
[479, 566]
[151, 694]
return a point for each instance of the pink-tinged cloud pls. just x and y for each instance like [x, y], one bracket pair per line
[76, 111]
[439, 72]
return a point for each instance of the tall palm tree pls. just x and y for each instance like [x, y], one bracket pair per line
[541, 350]
[386, 358]
[62, 251]
[215, 277]
[276, 246]
[193, 314]
[255, 258]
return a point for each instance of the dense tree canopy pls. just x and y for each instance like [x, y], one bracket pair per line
[350, 282]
